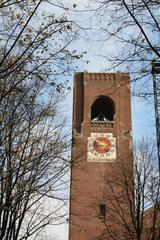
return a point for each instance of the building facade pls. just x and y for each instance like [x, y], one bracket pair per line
[101, 154]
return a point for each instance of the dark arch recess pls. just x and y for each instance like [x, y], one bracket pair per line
[103, 105]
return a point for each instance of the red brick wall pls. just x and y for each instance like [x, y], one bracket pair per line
[88, 179]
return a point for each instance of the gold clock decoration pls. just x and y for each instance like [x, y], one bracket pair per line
[101, 147]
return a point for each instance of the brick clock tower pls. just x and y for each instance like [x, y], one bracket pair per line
[101, 151]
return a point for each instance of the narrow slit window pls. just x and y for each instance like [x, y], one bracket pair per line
[102, 211]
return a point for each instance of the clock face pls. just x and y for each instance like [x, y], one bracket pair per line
[101, 147]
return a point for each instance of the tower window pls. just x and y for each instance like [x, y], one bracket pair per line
[102, 211]
[103, 109]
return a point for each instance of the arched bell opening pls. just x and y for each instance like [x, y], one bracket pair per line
[103, 109]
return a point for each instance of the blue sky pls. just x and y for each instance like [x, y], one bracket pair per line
[143, 122]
